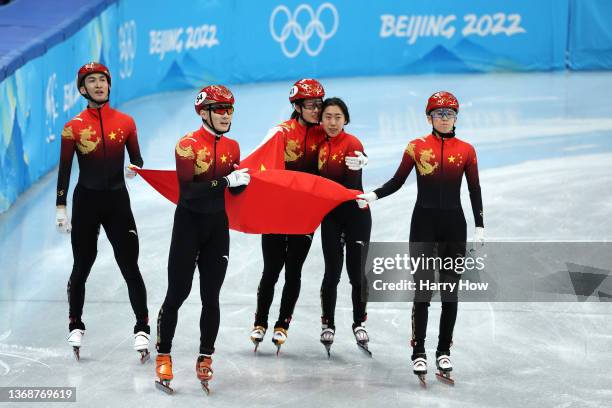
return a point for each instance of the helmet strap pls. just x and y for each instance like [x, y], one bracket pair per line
[448, 135]
[301, 116]
[89, 97]
[211, 125]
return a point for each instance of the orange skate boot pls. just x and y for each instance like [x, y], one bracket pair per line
[204, 371]
[163, 369]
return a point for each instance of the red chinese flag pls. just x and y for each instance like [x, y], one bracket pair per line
[284, 202]
[276, 201]
[270, 155]
[164, 181]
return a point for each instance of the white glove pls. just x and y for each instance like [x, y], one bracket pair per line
[130, 173]
[479, 236]
[62, 222]
[479, 240]
[362, 204]
[366, 198]
[238, 178]
[357, 162]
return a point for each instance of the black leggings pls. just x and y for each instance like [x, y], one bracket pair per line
[111, 210]
[289, 251]
[201, 239]
[441, 233]
[347, 225]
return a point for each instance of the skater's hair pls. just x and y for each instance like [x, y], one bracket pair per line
[295, 113]
[339, 103]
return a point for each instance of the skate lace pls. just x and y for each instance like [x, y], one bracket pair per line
[141, 339]
[279, 335]
[204, 369]
[419, 363]
[444, 361]
[75, 337]
[76, 334]
[361, 334]
[164, 366]
[258, 331]
[327, 335]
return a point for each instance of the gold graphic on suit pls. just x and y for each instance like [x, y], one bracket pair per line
[291, 150]
[67, 133]
[184, 152]
[322, 157]
[85, 144]
[423, 165]
[201, 165]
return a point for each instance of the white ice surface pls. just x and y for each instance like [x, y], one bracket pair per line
[546, 173]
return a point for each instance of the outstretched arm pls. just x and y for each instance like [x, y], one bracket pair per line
[400, 176]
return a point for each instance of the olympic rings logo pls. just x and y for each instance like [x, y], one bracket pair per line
[127, 48]
[303, 34]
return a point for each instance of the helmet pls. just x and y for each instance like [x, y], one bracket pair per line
[306, 88]
[442, 99]
[213, 94]
[92, 68]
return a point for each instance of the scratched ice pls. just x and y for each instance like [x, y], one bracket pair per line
[545, 158]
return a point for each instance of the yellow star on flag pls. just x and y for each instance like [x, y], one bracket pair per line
[451, 159]
[112, 135]
[223, 158]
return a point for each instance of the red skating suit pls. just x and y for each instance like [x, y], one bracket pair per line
[301, 144]
[99, 137]
[440, 163]
[331, 164]
[202, 162]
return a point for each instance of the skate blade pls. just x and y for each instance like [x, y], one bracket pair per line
[422, 380]
[364, 348]
[205, 387]
[144, 356]
[77, 353]
[164, 385]
[327, 348]
[256, 343]
[445, 378]
[278, 349]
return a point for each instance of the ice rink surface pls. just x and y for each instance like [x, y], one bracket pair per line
[544, 143]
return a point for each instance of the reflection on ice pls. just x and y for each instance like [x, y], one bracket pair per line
[545, 161]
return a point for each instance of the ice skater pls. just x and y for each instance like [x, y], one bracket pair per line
[301, 135]
[206, 162]
[438, 221]
[99, 136]
[346, 226]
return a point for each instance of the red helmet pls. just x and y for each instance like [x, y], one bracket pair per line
[92, 68]
[213, 94]
[306, 88]
[442, 99]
